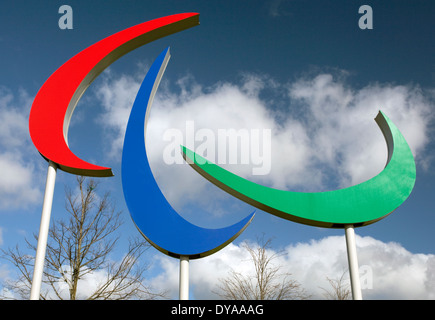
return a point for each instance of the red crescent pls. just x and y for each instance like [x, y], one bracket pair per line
[55, 102]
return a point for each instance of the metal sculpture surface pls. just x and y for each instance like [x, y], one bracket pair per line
[158, 222]
[358, 205]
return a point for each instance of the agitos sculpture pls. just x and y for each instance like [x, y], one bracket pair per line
[49, 121]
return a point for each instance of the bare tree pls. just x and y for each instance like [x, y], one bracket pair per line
[339, 289]
[79, 248]
[267, 282]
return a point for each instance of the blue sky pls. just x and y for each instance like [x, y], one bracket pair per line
[303, 69]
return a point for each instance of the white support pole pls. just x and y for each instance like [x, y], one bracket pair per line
[353, 262]
[43, 232]
[184, 278]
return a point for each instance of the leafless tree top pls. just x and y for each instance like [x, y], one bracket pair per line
[80, 247]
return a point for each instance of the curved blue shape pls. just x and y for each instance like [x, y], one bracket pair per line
[158, 222]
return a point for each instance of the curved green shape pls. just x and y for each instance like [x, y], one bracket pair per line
[359, 205]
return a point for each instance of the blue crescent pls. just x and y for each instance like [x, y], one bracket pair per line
[158, 222]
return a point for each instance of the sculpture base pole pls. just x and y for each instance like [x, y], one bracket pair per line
[43, 232]
[353, 262]
[184, 278]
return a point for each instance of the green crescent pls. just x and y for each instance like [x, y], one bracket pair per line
[358, 205]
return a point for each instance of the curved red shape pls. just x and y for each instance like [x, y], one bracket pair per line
[55, 102]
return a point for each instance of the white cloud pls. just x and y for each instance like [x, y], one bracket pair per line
[344, 134]
[324, 138]
[19, 177]
[388, 271]
[117, 97]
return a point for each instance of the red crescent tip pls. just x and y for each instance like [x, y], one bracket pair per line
[55, 102]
